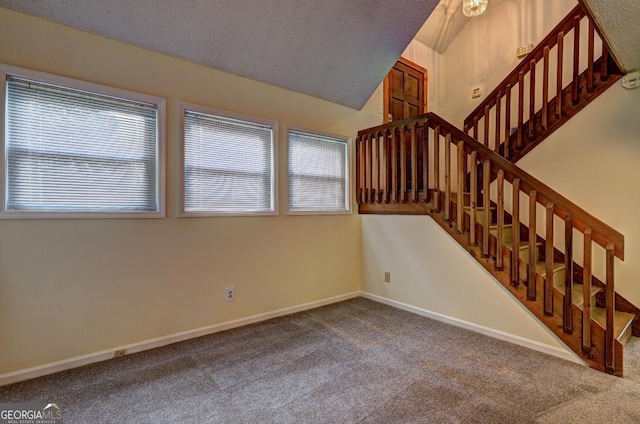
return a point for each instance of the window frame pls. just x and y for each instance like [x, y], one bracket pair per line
[348, 173]
[182, 213]
[76, 84]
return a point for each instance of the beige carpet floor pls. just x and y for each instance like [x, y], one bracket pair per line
[353, 362]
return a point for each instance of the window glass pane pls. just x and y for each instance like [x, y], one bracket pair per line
[227, 164]
[317, 172]
[71, 150]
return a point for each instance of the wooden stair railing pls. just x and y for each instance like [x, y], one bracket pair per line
[560, 76]
[519, 229]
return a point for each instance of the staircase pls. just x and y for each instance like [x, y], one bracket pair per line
[518, 228]
[538, 244]
[568, 69]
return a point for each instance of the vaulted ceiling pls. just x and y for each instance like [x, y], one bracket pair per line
[335, 50]
[619, 20]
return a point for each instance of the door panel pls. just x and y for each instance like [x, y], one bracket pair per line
[405, 91]
[405, 95]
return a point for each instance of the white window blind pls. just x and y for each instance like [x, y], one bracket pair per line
[318, 173]
[69, 150]
[228, 165]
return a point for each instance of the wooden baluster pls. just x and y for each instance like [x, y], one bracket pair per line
[515, 231]
[586, 293]
[368, 168]
[507, 122]
[359, 169]
[462, 175]
[486, 125]
[394, 165]
[500, 213]
[473, 197]
[414, 163]
[436, 170]
[604, 62]
[590, 54]
[496, 147]
[531, 288]
[465, 172]
[567, 310]
[532, 97]
[545, 89]
[548, 256]
[447, 178]
[475, 128]
[520, 108]
[403, 164]
[486, 203]
[559, 74]
[375, 168]
[610, 296]
[425, 163]
[382, 163]
[576, 60]
[387, 165]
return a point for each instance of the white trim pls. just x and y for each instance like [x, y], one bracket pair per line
[491, 332]
[77, 84]
[348, 175]
[184, 106]
[103, 355]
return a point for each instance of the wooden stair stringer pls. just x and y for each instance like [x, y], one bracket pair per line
[594, 358]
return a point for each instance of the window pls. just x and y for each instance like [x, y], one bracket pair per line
[318, 168]
[228, 163]
[75, 149]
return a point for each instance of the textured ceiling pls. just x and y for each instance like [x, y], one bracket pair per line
[337, 50]
[619, 20]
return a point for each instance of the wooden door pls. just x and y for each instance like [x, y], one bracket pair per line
[405, 91]
[405, 95]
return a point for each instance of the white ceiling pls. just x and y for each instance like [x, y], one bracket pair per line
[337, 50]
[619, 20]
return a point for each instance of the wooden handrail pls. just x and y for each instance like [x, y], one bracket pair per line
[602, 234]
[536, 54]
[528, 122]
[397, 158]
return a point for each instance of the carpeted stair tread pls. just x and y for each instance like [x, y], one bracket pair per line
[577, 296]
[621, 323]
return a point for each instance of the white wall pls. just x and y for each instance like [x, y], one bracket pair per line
[433, 63]
[484, 52]
[73, 287]
[594, 160]
[430, 270]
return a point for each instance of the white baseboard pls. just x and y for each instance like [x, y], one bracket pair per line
[521, 341]
[78, 361]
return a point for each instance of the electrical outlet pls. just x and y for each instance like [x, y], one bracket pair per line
[387, 277]
[118, 353]
[230, 294]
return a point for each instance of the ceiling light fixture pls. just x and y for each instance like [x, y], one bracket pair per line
[472, 8]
